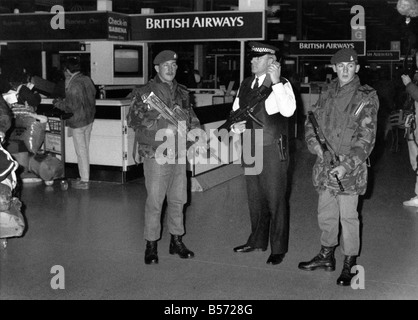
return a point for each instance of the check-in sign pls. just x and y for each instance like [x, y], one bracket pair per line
[383, 55]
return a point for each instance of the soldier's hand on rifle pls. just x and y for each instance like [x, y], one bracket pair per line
[239, 127]
[171, 129]
[319, 152]
[406, 79]
[201, 148]
[340, 171]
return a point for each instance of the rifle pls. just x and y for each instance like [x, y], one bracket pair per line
[176, 115]
[330, 157]
[247, 112]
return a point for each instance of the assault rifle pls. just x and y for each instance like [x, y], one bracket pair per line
[176, 116]
[248, 111]
[331, 159]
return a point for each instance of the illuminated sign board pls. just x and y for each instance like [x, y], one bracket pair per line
[77, 26]
[325, 47]
[383, 55]
[219, 25]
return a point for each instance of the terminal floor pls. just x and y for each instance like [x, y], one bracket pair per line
[96, 235]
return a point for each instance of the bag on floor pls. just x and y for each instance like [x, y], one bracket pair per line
[12, 223]
[46, 166]
[34, 135]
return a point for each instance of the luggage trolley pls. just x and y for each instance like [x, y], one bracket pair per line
[55, 142]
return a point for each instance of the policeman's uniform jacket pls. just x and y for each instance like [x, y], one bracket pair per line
[274, 124]
[347, 116]
[146, 122]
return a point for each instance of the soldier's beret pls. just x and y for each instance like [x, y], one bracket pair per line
[258, 49]
[164, 56]
[344, 55]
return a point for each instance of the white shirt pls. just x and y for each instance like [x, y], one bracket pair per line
[282, 99]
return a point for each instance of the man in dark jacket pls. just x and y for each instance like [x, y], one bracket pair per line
[165, 175]
[80, 100]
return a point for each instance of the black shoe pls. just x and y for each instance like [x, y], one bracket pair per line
[323, 260]
[345, 278]
[246, 248]
[151, 254]
[177, 247]
[275, 258]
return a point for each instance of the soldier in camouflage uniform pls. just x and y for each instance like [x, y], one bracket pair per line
[167, 179]
[346, 113]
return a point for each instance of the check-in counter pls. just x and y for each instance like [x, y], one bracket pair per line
[310, 93]
[209, 97]
[111, 143]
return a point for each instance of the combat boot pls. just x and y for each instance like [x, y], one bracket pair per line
[323, 260]
[177, 247]
[345, 278]
[151, 253]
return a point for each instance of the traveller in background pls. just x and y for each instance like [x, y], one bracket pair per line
[80, 100]
[411, 87]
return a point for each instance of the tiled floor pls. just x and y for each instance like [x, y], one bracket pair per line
[96, 236]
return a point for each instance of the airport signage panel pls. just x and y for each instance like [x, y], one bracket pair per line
[220, 25]
[75, 26]
[383, 55]
[117, 26]
[325, 47]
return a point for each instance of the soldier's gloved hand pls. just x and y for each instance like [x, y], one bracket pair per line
[319, 152]
[340, 171]
[171, 130]
[239, 127]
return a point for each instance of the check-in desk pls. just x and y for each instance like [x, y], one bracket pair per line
[310, 93]
[111, 143]
[208, 97]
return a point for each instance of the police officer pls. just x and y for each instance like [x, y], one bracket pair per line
[346, 113]
[266, 190]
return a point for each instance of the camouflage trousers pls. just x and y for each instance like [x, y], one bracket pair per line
[336, 209]
[167, 181]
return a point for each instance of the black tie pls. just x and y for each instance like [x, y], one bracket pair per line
[255, 83]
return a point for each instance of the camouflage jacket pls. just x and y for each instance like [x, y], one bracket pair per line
[347, 117]
[146, 122]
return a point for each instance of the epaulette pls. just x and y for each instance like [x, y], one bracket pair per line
[283, 80]
[366, 89]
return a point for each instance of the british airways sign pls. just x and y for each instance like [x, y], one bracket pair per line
[221, 25]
